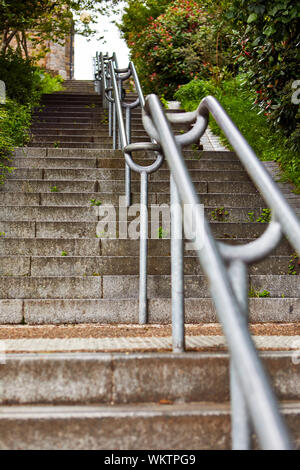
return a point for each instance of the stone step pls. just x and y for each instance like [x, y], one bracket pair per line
[66, 123]
[76, 108]
[125, 311]
[72, 145]
[69, 97]
[69, 127]
[69, 229]
[58, 140]
[85, 91]
[68, 163]
[50, 121]
[109, 153]
[222, 200]
[119, 174]
[73, 229]
[88, 378]
[47, 120]
[69, 106]
[109, 265]
[88, 113]
[104, 246]
[126, 287]
[128, 427]
[226, 188]
[69, 101]
[38, 212]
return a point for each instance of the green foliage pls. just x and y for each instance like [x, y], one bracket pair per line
[162, 233]
[14, 131]
[45, 20]
[265, 216]
[187, 40]
[256, 294]
[251, 216]
[190, 94]
[208, 40]
[219, 214]
[237, 100]
[25, 83]
[265, 41]
[96, 203]
[138, 14]
[292, 268]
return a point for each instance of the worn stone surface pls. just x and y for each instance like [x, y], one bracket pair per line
[119, 379]
[11, 311]
[186, 427]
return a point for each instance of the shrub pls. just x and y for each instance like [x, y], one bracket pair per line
[25, 83]
[191, 94]
[265, 38]
[237, 100]
[186, 41]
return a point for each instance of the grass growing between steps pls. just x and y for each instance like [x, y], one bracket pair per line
[237, 100]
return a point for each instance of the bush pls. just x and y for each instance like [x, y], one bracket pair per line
[237, 100]
[184, 42]
[25, 84]
[191, 94]
[265, 39]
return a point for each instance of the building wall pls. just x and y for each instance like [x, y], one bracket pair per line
[60, 59]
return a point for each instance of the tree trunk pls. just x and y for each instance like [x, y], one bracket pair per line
[7, 38]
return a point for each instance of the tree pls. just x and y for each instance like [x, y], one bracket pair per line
[187, 40]
[138, 14]
[266, 37]
[46, 20]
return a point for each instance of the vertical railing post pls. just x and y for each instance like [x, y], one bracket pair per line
[177, 272]
[110, 124]
[119, 86]
[240, 419]
[114, 125]
[104, 72]
[128, 124]
[143, 307]
[127, 169]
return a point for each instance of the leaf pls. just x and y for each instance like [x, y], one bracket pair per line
[252, 18]
[269, 31]
[164, 401]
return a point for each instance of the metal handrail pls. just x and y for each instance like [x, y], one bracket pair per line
[144, 171]
[225, 266]
[252, 399]
[112, 78]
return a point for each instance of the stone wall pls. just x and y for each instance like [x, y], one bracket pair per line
[58, 60]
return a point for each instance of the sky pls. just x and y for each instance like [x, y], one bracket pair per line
[85, 50]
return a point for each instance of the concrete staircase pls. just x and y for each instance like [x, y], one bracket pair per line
[60, 282]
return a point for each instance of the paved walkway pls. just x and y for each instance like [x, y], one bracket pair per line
[141, 344]
[104, 338]
[212, 142]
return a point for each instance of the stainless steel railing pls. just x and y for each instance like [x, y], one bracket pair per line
[226, 267]
[112, 78]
